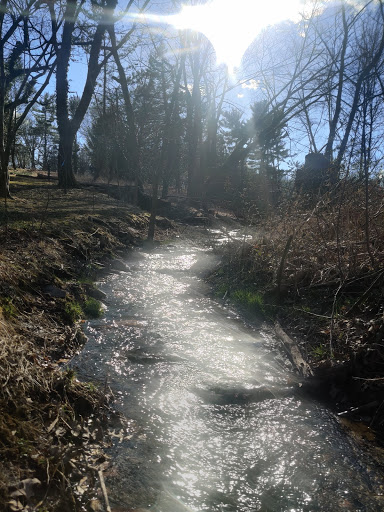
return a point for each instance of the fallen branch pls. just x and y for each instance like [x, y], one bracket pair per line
[368, 380]
[293, 352]
[301, 310]
[364, 407]
[104, 489]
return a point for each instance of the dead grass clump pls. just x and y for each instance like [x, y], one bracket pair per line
[42, 429]
[22, 373]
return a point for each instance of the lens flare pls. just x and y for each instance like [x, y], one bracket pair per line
[230, 26]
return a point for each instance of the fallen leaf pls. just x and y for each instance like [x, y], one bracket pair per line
[96, 506]
[18, 494]
[28, 485]
[52, 425]
[15, 506]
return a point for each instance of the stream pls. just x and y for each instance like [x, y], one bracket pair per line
[217, 419]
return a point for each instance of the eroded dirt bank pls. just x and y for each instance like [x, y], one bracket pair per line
[339, 333]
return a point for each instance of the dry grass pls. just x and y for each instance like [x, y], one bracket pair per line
[329, 295]
[329, 239]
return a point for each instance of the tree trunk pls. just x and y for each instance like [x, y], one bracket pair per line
[4, 175]
[165, 187]
[129, 112]
[4, 182]
[195, 177]
[65, 171]
[67, 127]
[194, 130]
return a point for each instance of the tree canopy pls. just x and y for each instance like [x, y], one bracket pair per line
[156, 106]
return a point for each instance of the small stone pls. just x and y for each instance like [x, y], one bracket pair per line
[95, 293]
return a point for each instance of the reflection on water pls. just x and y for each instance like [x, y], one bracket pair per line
[222, 426]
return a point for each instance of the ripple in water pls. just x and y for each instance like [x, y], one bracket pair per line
[221, 426]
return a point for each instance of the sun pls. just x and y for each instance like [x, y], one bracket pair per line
[232, 25]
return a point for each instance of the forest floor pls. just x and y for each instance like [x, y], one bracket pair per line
[53, 245]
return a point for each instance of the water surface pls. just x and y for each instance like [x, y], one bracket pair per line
[220, 424]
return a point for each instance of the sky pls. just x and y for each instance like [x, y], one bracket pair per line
[230, 25]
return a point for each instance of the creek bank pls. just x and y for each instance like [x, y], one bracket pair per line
[342, 354]
[52, 427]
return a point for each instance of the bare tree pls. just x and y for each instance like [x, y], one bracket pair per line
[68, 125]
[26, 65]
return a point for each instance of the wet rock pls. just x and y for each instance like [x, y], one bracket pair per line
[226, 396]
[54, 291]
[150, 244]
[94, 292]
[164, 223]
[196, 221]
[119, 265]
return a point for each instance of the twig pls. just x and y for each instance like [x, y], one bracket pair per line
[370, 380]
[104, 489]
[333, 319]
[44, 215]
[281, 267]
[376, 413]
[363, 407]
[313, 314]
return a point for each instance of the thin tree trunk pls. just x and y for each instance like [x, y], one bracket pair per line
[366, 163]
[335, 119]
[4, 182]
[4, 175]
[152, 220]
[356, 97]
[129, 112]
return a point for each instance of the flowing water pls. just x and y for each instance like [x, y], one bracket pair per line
[218, 421]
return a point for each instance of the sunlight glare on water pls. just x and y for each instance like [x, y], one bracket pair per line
[221, 424]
